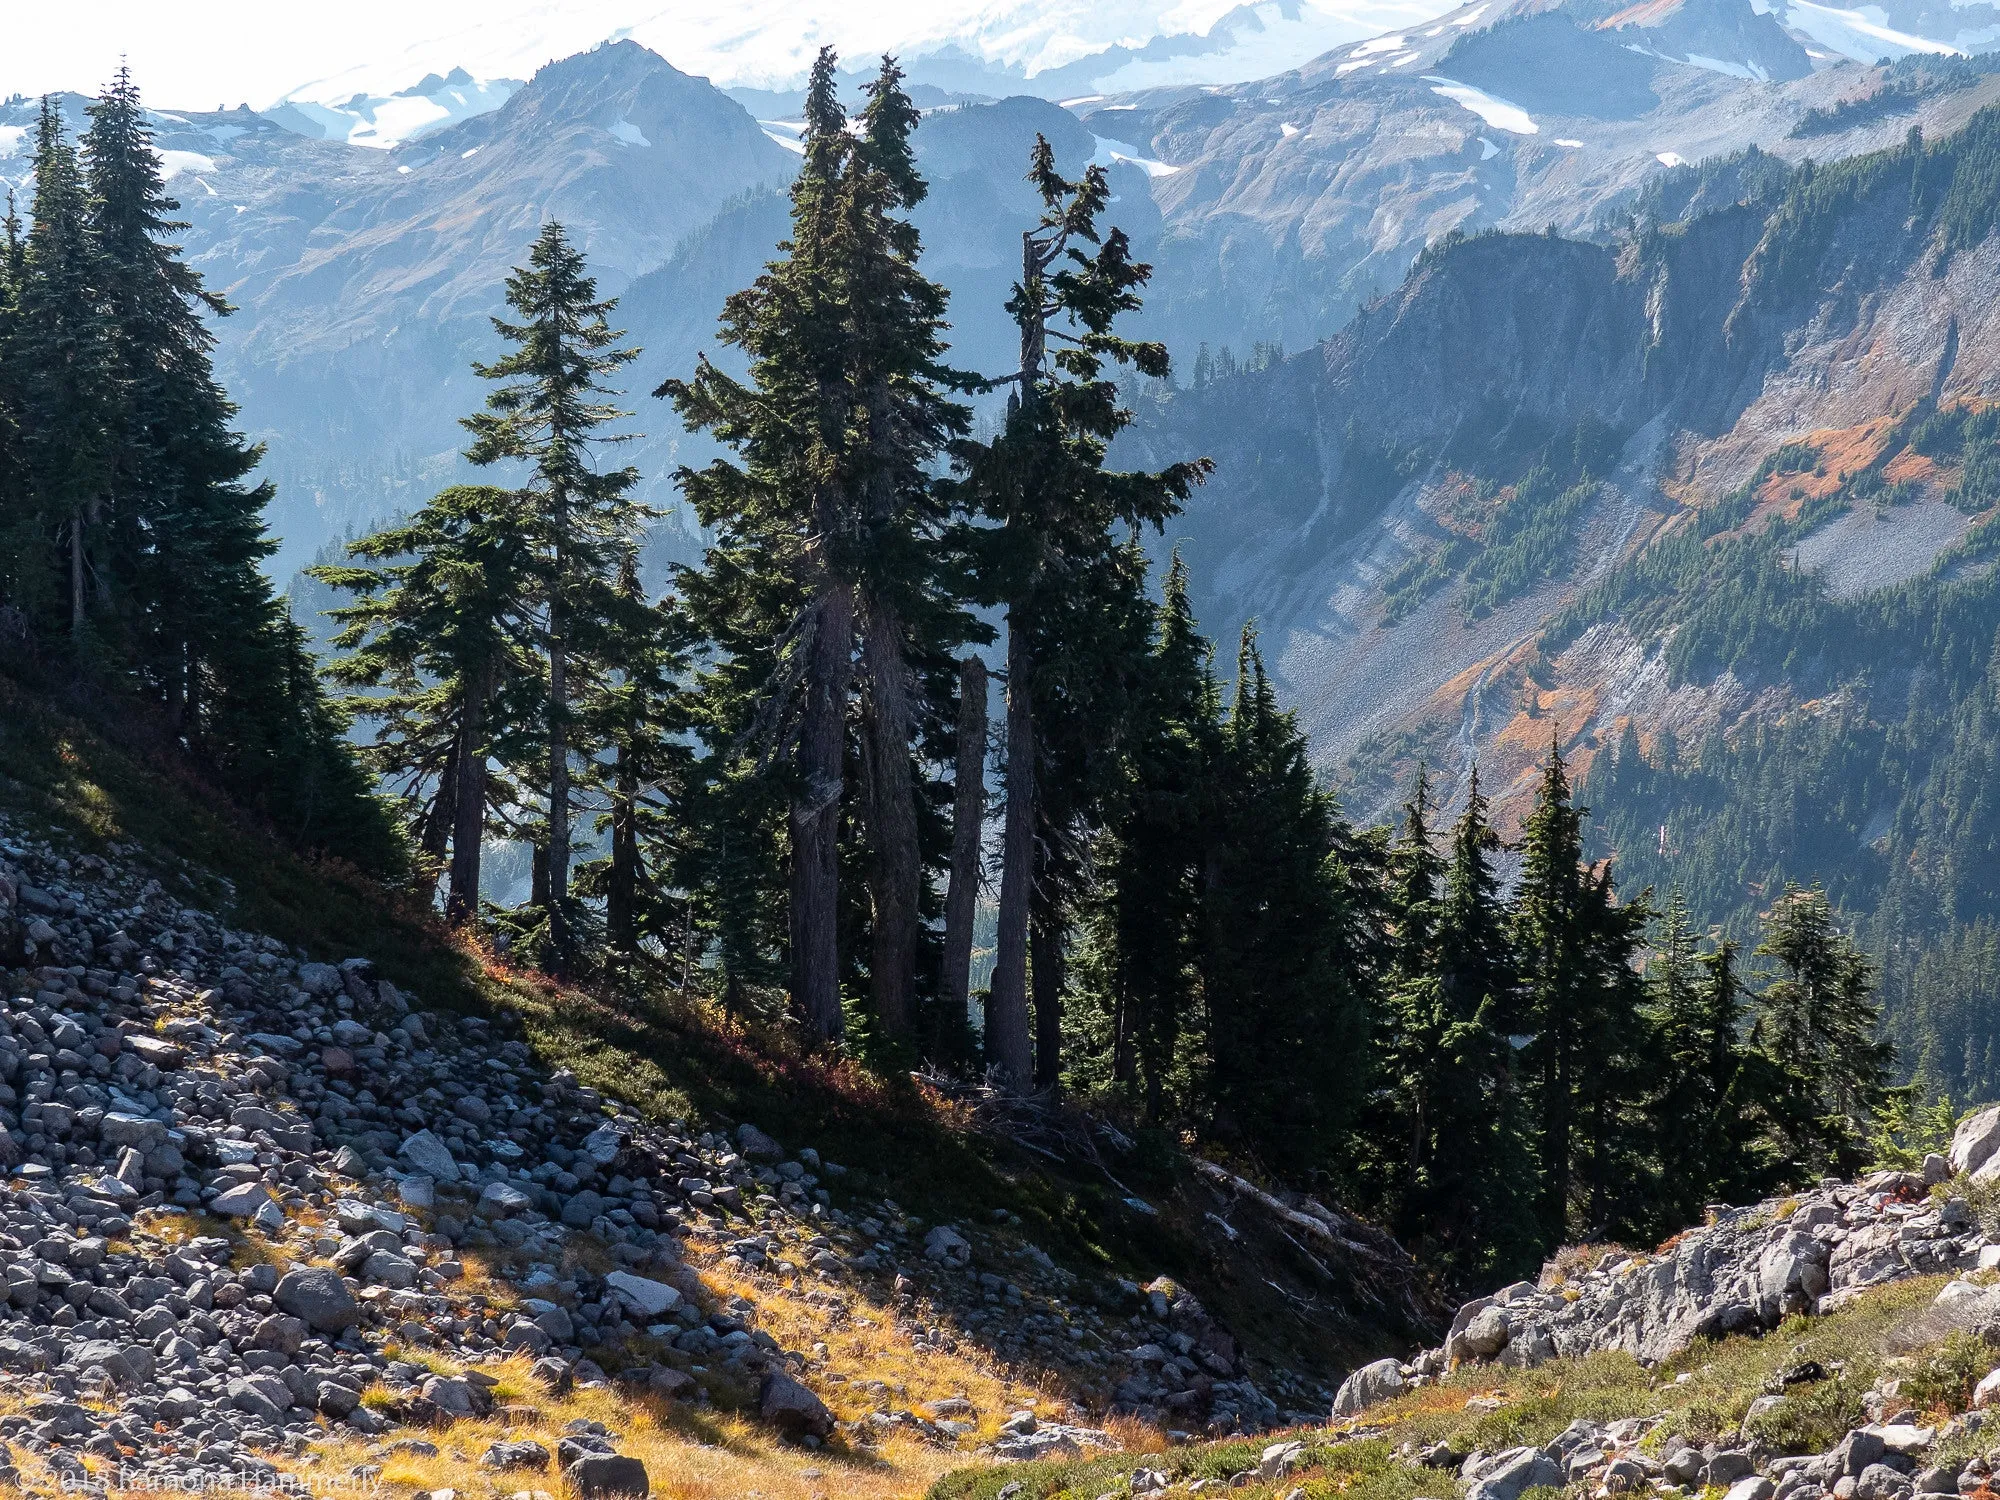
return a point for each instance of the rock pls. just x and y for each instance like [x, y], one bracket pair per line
[1936, 1169]
[501, 1200]
[1726, 1468]
[1279, 1459]
[240, 1202]
[607, 1474]
[756, 1145]
[1487, 1334]
[320, 1297]
[263, 1396]
[526, 1453]
[650, 1299]
[1506, 1475]
[427, 1154]
[1987, 1391]
[947, 1245]
[1752, 1487]
[793, 1409]
[1975, 1140]
[1880, 1482]
[319, 979]
[1855, 1452]
[1368, 1385]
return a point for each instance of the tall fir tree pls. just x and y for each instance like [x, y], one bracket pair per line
[908, 571]
[775, 602]
[442, 640]
[1283, 962]
[547, 412]
[1581, 1010]
[1143, 925]
[1818, 1023]
[68, 399]
[1058, 512]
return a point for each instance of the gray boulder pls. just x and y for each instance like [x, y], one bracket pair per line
[608, 1474]
[1506, 1475]
[793, 1409]
[1368, 1385]
[319, 1296]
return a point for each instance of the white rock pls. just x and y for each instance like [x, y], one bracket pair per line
[1987, 1391]
[242, 1201]
[1976, 1140]
[646, 1297]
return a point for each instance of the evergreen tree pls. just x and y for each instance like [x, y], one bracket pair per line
[1142, 932]
[1042, 481]
[775, 600]
[61, 341]
[547, 412]
[1818, 1024]
[1283, 960]
[1582, 1011]
[1461, 1192]
[636, 710]
[908, 580]
[442, 639]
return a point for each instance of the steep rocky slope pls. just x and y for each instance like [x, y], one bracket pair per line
[1838, 1342]
[409, 1217]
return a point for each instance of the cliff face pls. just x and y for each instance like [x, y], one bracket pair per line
[1686, 355]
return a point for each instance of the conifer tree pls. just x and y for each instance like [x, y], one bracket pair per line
[968, 832]
[1143, 928]
[1043, 482]
[636, 710]
[908, 589]
[1581, 1007]
[1447, 1059]
[442, 639]
[776, 598]
[67, 402]
[1282, 959]
[1818, 1023]
[547, 412]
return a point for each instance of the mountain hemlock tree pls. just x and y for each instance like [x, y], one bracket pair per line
[547, 412]
[908, 589]
[441, 637]
[775, 598]
[68, 401]
[1818, 1022]
[1581, 1013]
[1283, 959]
[1043, 482]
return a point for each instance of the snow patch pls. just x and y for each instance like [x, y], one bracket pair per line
[468, 155]
[1109, 151]
[1497, 112]
[1380, 44]
[173, 163]
[1669, 158]
[11, 137]
[1567, 143]
[789, 142]
[1862, 34]
[1466, 20]
[624, 130]
[1080, 99]
[1754, 72]
[1487, 150]
[1287, 129]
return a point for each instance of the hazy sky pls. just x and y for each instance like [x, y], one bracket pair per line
[196, 54]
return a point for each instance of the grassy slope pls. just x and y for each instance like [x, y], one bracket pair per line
[1702, 1394]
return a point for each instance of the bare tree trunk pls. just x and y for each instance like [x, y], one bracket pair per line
[815, 815]
[558, 781]
[895, 869]
[468, 822]
[621, 895]
[1049, 973]
[434, 832]
[968, 827]
[76, 579]
[1007, 1042]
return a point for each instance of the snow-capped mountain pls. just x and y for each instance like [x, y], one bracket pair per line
[385, 120]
